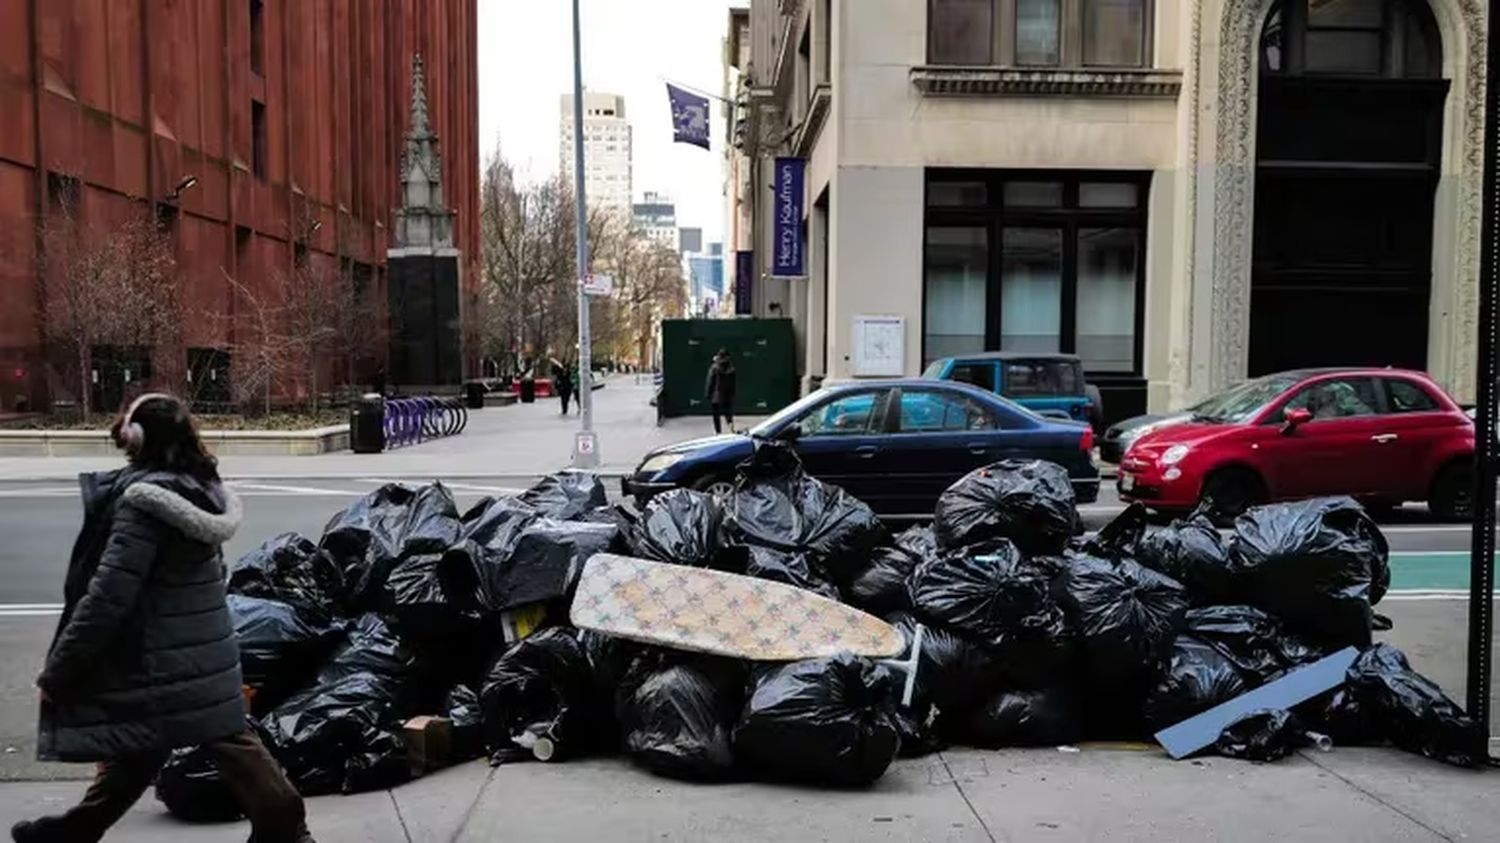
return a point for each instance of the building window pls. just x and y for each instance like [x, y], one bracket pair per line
[1036, 262]
[258, 139]
[1390, 38]
[258, 37]
[1040, 33]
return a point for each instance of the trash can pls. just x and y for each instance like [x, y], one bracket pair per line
[528, 391]
[367, 425]
[474, 395]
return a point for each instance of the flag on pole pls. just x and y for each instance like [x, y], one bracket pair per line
[689, 117]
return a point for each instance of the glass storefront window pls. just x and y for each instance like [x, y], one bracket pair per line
[1107, 272]
[957, 267]
[1038, 32]
[1031, 272]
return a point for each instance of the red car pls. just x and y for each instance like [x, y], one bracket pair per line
[1384, 436]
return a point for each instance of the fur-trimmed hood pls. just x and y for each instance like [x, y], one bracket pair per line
[190, 516]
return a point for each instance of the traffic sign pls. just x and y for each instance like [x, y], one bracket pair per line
[598, 285]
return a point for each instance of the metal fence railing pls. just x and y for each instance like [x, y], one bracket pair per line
[412, 420]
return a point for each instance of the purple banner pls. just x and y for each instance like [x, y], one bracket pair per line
[787, 258]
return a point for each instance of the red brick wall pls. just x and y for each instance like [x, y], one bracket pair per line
[75, 100]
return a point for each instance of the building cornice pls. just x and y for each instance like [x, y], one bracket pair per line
[951, 81]
[812, 125]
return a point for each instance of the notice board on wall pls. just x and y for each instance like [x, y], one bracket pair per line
[879, 346]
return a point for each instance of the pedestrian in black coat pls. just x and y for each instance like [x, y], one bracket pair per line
[562, 382]
[145, 658]
[719, 389]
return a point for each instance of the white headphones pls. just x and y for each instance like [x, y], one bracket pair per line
[132, 435]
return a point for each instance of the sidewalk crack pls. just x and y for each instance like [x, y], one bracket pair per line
[983, 826]
[405, 832]
[1380, 800]
[463, 824]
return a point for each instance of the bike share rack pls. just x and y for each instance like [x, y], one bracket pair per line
[409, 421]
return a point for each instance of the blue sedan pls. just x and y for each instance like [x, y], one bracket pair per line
[894, 444]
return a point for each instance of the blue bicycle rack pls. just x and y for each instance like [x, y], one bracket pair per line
[409, 421]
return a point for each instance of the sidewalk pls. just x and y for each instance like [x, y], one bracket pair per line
[522, 440]
[1099, 794]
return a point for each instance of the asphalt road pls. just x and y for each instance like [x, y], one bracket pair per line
[38, 522]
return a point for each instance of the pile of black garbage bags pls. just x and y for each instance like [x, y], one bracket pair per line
[1034, 634]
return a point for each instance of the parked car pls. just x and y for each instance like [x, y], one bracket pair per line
[1384, 436]
[894, 444]
[1117, 438]
[1048, 384]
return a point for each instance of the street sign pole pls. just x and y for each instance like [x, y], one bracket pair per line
[586, 443]
[1482, 562]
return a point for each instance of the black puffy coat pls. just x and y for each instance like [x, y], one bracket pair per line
[145, 658]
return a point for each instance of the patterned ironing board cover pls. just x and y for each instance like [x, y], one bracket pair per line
[722, 614]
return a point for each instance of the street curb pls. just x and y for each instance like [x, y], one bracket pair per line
[607, 474]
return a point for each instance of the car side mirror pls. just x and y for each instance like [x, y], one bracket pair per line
[1295, 418]
[790, 433]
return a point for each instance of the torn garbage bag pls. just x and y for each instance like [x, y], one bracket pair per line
[540, 700]
[826, 721]
[1124, 616]
[775, 504]
[682, 527]
[989, 593]
[191, 787]
[1266, 735]
[678, 719]
[1412, 712]
[1029, 502]
[280, 646]
[1046, 717]
[1318, 565]
[291, 569]
[566, 495]
[540, 562]
[343, 733]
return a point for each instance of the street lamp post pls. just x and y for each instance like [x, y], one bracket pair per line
[586, 443]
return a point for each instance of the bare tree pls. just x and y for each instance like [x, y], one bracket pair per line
[649, 287]
[107, 284]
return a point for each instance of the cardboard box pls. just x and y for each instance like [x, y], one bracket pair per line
[428, 742]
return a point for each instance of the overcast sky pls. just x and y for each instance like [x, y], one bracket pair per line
[630, 47]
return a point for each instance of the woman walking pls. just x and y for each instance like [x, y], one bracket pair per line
[719, 389]
[145, 658]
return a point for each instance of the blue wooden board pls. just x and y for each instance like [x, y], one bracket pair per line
[1300, 685]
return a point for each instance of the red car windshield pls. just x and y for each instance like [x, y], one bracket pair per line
[1240, 403]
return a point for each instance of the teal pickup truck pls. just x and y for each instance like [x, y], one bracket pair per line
[1047, 384]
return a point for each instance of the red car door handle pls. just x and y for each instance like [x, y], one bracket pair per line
[1383, 438]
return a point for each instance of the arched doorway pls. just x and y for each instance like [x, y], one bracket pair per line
[1348, 153]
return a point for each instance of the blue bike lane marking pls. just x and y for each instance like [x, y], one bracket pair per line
[1429, 570]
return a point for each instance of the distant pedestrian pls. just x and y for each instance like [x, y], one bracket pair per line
[562, 382]
[145, 660]
[719, 390]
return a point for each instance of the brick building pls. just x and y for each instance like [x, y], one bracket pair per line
[288, 114]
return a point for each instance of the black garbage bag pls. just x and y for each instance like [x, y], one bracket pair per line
[461, 707]
[281, 645]
[391, 524]
[1412, 712]
[1198, 677]
[799, 570]
[493, 521]
[191, 787]
[1339, 715]
[952, 671]
[989, 593]
[566, 495]
[678, 719]
[775, 504]
[291, 569]
[1191, 551]
[1046, 717]
[682, 527]
[882, 587]
[919, 540]
[1124, 616]
[1266, 735]
[1028, 502]
[1253, 641]
[825, 721]
[1318, 565]
[343, 733]
[535, 563]
[1118, 538]
[541, 699]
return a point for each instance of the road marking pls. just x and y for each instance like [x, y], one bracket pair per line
[29, 610]
[1411, 595]
[498, 490]
[293, 490]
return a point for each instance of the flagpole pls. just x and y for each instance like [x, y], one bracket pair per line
[586, 443]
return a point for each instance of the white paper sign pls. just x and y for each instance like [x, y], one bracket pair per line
[879, 346]
[598, 285]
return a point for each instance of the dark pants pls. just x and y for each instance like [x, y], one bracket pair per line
[274, 807]
[727, 412]
[566, 395]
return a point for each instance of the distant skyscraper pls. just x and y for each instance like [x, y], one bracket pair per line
[657, 216]
[691, 239]
[606, 149]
